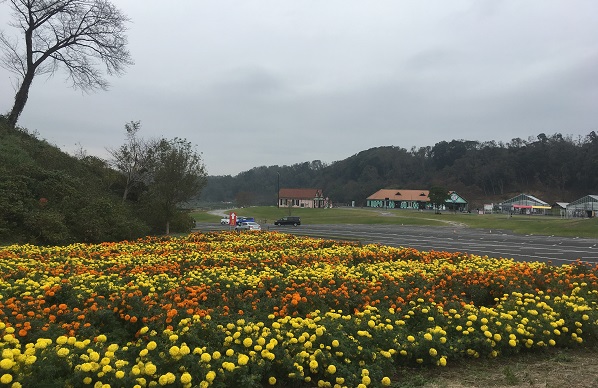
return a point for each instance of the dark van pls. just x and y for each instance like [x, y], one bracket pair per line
[288, 221]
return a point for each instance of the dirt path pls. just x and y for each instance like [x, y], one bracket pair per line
[451, 223]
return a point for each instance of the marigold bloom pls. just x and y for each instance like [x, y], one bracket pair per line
[6, 378]
[210, 376]
[243, 359]
[6, 363]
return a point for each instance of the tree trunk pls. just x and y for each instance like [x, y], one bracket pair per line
[126, 192]
[20, 99]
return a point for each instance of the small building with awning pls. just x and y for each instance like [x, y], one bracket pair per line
[303, 198]
[524, 204]
[455, 202]
[560, 209]
[413, 199]
[399, 199]
[583, 207]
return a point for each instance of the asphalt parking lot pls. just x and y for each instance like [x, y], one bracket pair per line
[483, 242]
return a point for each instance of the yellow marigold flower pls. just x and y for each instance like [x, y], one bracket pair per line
[113, 348]
[442, 361]
[366, 380]
[6, 378]
[385, 381]
[513, 343]
[186, 378]
[335, 343]
[433, 352]
[61, 340]
[428, 336]
[151, 345]
[229, 352]
[119, 374]
[174, 351]
[229, 366]
[210, 376]
[313, 364]
[94, 356]
[247, 342]
[243, 359]
[205, 357]
[163, 380]
[30, 360]
[62, 352]
[411, 338]
[272, 380]
[150, 368]
[216, 355]
[6, 363]
[87, 380]
[101, 338]
[331, 369]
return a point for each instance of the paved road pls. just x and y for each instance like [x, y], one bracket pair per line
[493, 243]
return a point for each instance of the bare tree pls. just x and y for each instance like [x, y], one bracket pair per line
[130, 159]
[78, 35]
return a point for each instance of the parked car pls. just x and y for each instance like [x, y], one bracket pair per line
[244, 219]
[288, 221]
[247, 225]
[225, 220]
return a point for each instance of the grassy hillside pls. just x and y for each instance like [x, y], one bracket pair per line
[50, 197]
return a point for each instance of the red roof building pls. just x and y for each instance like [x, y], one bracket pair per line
[306, 198]
[399, 199]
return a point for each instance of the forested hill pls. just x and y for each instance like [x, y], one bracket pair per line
[554, 168]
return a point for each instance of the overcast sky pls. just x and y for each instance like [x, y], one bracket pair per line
[260, 83]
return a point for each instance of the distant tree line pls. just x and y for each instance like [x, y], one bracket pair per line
[555, 168]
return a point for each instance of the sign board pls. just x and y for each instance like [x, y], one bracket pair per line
[232, 219]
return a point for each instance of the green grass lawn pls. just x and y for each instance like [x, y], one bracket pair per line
[541, 225]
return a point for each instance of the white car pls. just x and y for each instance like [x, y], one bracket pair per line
[248, 225]
[224, 220]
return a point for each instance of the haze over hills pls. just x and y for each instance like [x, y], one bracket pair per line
[553, 167]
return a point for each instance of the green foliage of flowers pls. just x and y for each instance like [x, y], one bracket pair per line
[270, 309]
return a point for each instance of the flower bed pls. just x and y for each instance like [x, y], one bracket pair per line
[259, 309]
